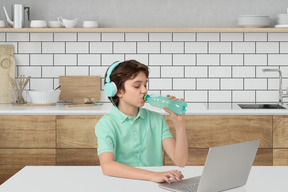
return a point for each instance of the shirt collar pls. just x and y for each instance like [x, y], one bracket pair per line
[122, 117]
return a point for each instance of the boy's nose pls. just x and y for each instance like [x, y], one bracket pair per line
[144, 90]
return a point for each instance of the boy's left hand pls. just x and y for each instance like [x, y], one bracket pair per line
[176, 119]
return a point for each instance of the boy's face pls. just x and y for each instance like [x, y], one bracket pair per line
[135, 89]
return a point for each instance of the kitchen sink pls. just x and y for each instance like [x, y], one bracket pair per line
[261, 106]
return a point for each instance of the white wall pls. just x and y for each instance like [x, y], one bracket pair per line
[152, 13]
[200, 67]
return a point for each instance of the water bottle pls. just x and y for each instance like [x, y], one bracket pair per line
[178, 106]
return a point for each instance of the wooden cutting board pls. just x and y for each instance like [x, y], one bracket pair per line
[7, 67]
[6, 50]
[79, 86]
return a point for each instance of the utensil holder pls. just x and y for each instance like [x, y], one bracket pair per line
[18, 90]
[17, 96]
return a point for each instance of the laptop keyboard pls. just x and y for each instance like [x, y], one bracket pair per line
[189, 188]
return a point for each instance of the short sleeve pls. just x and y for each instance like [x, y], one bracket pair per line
[105, 136]
[165, 129]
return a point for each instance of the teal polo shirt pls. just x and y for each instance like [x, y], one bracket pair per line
[134, 142]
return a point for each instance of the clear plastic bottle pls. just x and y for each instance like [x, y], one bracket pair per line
[178, 106]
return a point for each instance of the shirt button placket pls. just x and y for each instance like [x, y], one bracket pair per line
[133, 129]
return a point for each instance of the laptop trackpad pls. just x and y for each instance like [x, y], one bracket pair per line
[176, 185]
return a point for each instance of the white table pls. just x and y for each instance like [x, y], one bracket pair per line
[91, 179]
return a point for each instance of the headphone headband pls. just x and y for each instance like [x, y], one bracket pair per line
[110, 71]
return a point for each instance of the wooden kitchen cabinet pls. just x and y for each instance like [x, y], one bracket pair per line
[197, 157]
[76, 140]
[77, 157]
[70, 139]
[280, 157]
[27, 132]
[204, 132]
[280, 132]
[8, 171]
[280, 140]
[26, 140]
[12, 160]
[28, 156]
[76, 131]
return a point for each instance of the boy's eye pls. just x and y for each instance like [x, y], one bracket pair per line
[138, 86]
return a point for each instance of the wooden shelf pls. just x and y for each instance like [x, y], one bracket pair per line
[144, 30]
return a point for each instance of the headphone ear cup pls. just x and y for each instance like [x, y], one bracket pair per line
[110, 89]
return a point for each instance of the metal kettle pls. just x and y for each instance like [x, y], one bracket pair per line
[18, 15]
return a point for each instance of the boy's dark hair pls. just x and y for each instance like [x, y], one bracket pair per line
[123, 72]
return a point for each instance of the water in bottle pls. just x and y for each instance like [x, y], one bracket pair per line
[178, 106]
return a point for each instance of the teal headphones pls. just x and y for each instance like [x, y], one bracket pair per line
[110, 87]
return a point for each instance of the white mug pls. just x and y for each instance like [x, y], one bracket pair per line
[67, 23]
[2, 24]
[90, 24]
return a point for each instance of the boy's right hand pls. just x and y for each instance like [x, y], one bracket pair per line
[159, 177]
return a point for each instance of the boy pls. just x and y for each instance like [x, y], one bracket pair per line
[130, 135]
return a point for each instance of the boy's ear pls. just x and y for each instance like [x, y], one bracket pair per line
[120, 93]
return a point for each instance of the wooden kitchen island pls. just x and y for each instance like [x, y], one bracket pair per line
[56, 135]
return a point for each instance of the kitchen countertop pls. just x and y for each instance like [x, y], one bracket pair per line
[192, 109]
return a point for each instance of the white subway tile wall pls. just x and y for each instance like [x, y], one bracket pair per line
[2, 37]
[255, 37]
[217, 47]
[41, 59]
[89, 37]
[65, 36]
[53, 47]
[41, 37]
[79, 47]
[231, 59]
[136, 37]
[200, 67]
[231, 37]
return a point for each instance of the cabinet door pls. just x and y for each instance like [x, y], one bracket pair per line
[280, 131]
[280, 157]
[27, 131]
[8, 171]
[76, 131]
[212, 131]
[197, 157]
[77, 157]
[12, 160]
[204, 132]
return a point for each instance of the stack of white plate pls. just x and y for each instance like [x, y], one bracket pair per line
[282, 20]
[253, 21]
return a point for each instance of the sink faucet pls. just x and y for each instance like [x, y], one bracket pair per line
[281, 95]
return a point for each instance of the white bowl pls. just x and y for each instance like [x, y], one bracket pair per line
[55, 24]
[44, 97]
[253, 21]
[38, 24]
[90, 24]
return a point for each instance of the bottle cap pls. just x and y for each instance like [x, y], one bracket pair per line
[145, 97]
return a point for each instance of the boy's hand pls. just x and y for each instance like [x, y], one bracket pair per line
[176, 119]
[159, 177]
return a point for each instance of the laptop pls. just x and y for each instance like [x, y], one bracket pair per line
[226, 167]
